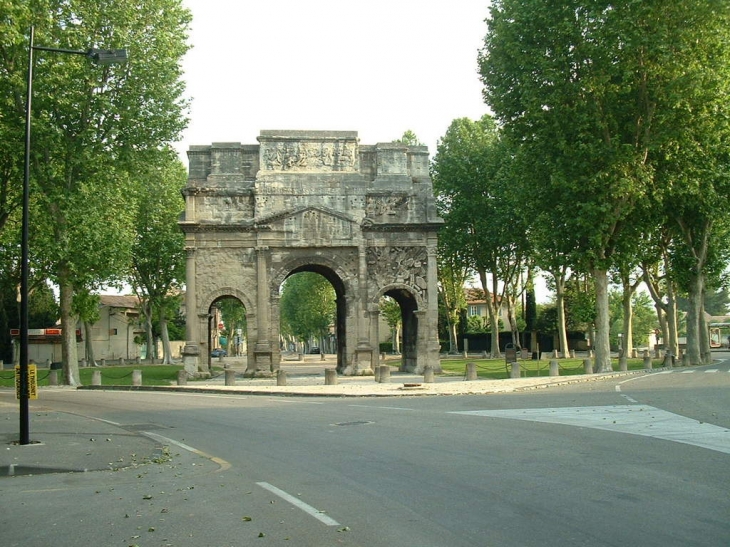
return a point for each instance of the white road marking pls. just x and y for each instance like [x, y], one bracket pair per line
[224, 465]
[688, 371]
[710, 370]
[632, 419]
[296, 502]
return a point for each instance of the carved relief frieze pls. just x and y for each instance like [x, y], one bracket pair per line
[380, 205]
[310, 156]
[399, 265]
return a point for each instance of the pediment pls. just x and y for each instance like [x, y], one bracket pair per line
[311, 224]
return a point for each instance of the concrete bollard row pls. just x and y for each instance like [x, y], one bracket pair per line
[471, 372]
[281, 377]
[330, 377]
[384, 374]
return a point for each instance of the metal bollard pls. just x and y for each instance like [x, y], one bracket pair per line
[182, 377]
[230, 376]
[554, 368]
[384, 374]
[330, 377]
[95, 377]
[471, 372]
[588, 365]
[136, 377]
[428, 375]
[281, 378]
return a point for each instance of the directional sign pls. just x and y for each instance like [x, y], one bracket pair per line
[32, 382]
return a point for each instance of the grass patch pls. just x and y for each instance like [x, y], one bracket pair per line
[152, 375]
[498, 369]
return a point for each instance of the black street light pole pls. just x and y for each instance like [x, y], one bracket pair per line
[100, 56]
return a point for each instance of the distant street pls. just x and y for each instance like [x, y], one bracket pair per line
[641, 460]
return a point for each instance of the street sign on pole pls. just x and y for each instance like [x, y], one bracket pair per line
[32, 382]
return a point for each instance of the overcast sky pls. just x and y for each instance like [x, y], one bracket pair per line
[378, 67]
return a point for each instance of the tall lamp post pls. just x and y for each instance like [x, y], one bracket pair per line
[100, 56]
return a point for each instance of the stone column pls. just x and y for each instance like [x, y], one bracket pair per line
[262, 348]
[191, 350]
[430, 344]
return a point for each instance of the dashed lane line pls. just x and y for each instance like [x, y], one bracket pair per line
[296, 502]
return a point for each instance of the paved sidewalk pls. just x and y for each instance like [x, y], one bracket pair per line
[63, 442]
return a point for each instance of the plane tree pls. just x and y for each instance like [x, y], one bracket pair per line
[90, 123]
[601, 97]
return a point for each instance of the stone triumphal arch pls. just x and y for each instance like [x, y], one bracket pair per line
[362, 216]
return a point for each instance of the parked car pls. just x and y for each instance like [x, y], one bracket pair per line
[314, 349]
[219, 352]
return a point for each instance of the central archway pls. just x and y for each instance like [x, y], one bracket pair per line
[338, 285]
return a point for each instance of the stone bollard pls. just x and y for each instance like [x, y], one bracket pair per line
[668, 360]
[136, 377]
[515, 370]
[657, 353]
[556, 355]
[588, 365]
[281, 377]
[102, 362]
[647, 361]
[428, 375]
[83, 363]
[572, 354]
[330, 377]
[122, 362]
[95, 377]
[182, 378]
[137, 360]
[321, 356]
[53, 378]
[382, 357]
[634, 354]
[554, 368]
[384, 374]
[230, 376]
[623, 363]
[471, 372]
[48, 363]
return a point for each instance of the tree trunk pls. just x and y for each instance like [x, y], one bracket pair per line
[513, 323]
[603, 347]
[69, 350]
[90, 356]
[151, 353]
[166, 349]
[694, 344]
[493, 311]
[627, 338]
[560, 305]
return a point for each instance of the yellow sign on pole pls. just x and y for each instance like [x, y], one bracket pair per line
[32, 382]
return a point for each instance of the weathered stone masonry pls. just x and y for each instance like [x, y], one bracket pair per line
[362, 216]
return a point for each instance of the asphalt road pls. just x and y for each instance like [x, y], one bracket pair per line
[638, 461]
